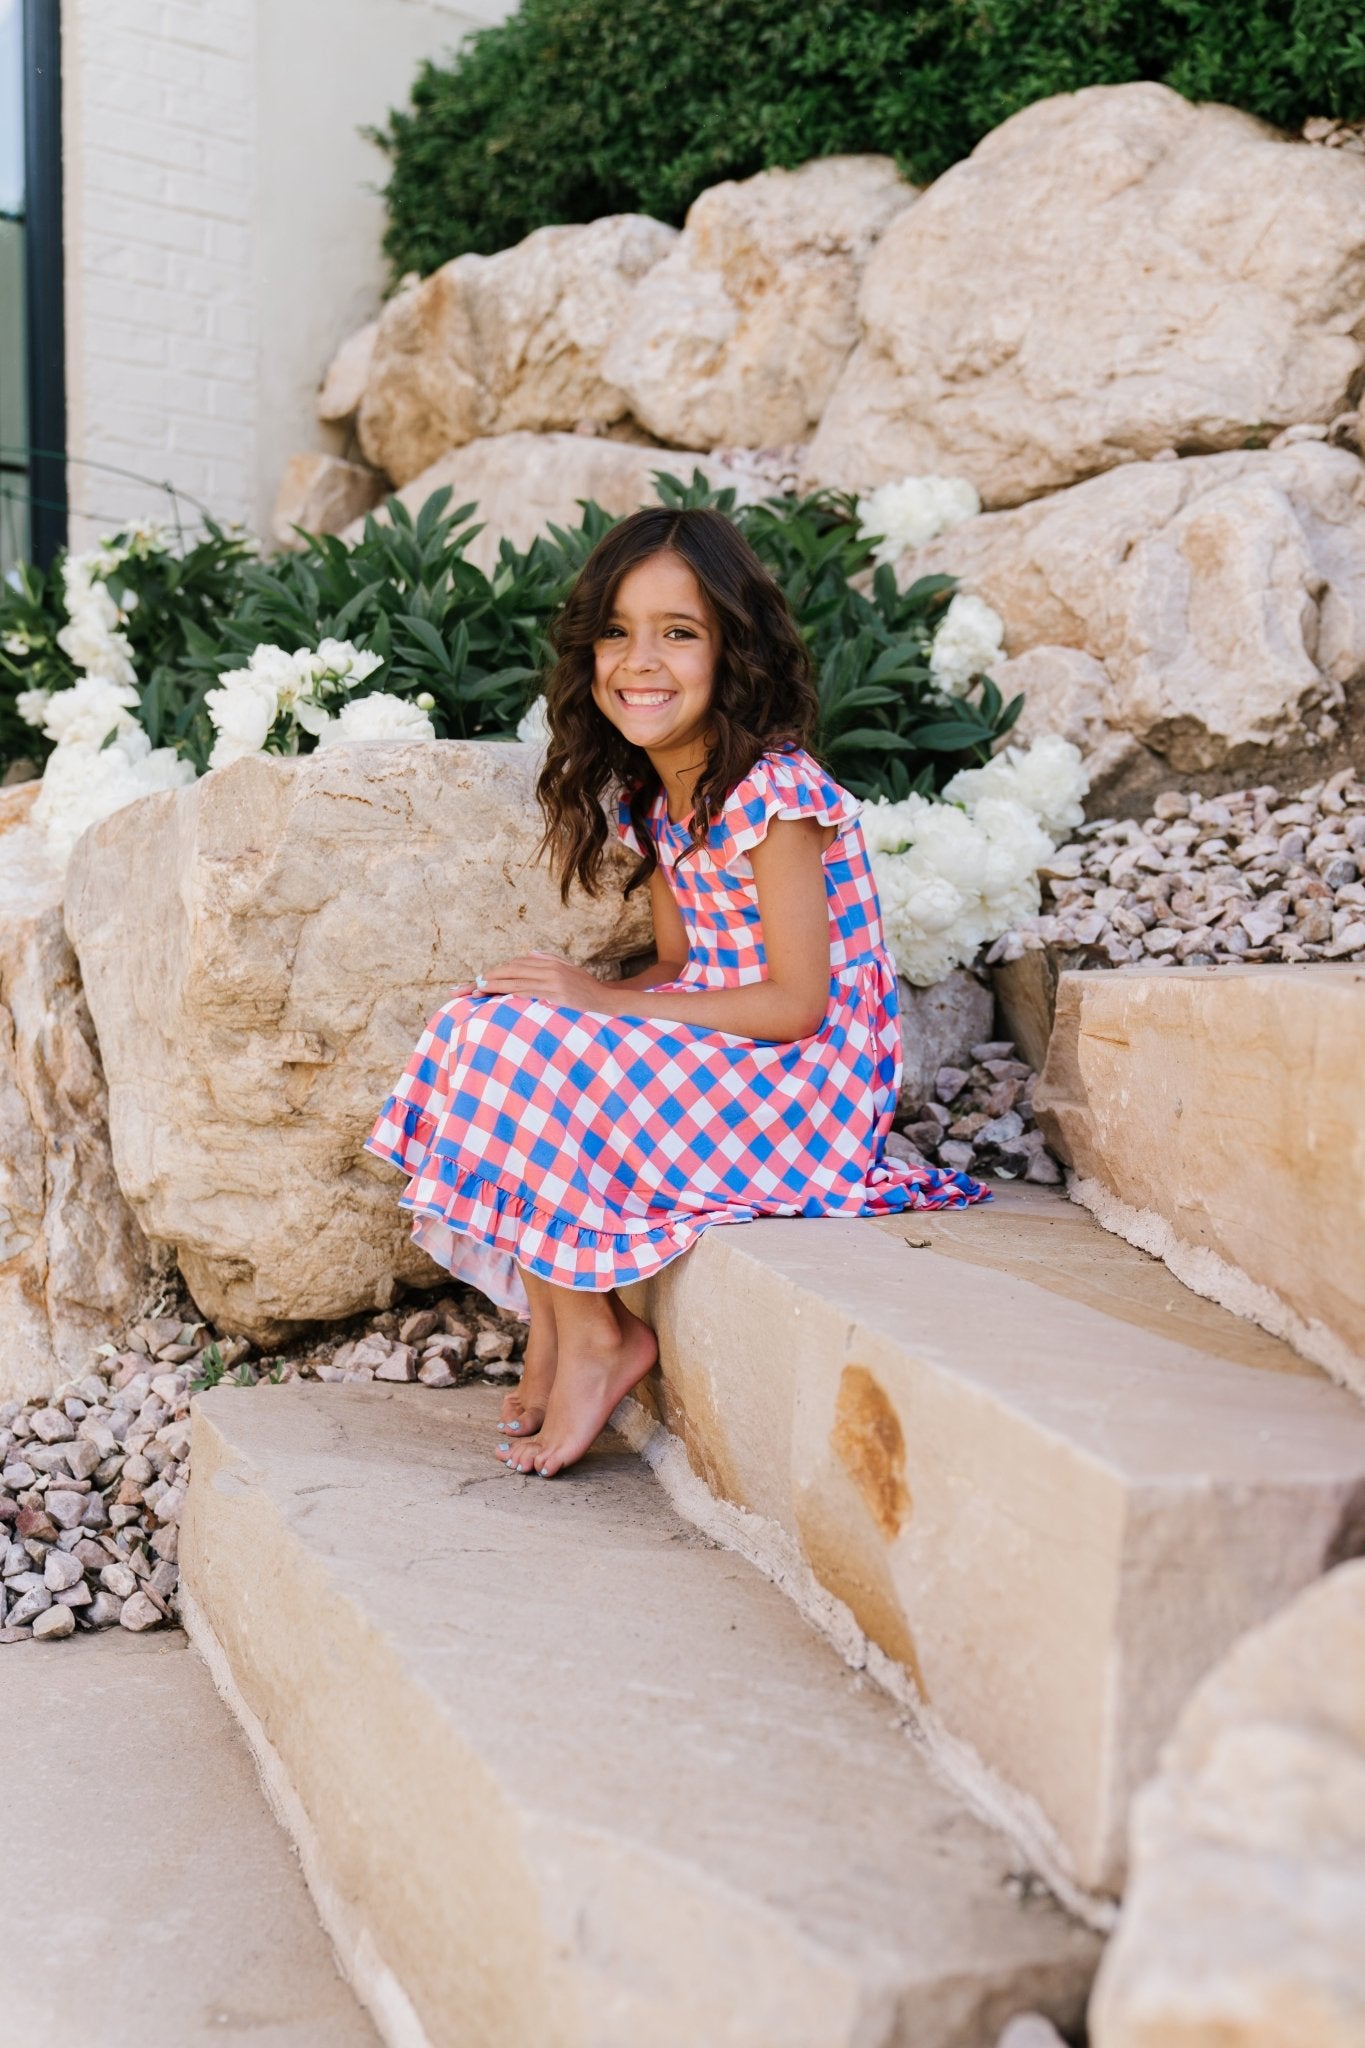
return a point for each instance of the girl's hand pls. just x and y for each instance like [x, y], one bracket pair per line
[548, 979]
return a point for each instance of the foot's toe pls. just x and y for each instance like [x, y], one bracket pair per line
[515, 1456]
[523, 1420]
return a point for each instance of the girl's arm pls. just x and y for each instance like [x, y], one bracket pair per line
[789, 1004]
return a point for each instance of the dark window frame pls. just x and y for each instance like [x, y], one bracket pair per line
[44, 292]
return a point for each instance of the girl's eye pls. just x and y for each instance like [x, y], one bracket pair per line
[612, 633]
[683, 632]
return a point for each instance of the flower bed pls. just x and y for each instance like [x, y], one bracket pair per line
[143, 665]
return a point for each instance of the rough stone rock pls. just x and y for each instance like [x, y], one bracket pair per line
[939, 1026]
[1030, 2030]
[62, 1571]
[321, 493]
[1224, 597]
[30, 1604]
[55, 1622]
[522, 482]
[1111, 273]
[72, 1260]
[489, 344]
[1242, 1919]
[139, 1613]
[260, 985]
[746, 323]
[343, 387]
[399, 1364]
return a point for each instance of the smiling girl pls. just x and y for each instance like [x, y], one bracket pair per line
[564, 1136]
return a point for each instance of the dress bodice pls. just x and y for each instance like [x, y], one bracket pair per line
[715, 889]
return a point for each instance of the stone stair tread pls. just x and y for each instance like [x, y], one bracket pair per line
[151, 1898]
[1080, 1329]
[718, 1831]
[1046, 1478]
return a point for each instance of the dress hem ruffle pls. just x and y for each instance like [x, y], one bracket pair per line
[474, 1206]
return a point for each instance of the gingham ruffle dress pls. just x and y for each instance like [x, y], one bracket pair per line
[591, 1149]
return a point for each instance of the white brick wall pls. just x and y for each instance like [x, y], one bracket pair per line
[222, 230]
[159, 168]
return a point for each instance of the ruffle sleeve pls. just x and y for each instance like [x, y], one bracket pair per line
[778, 786]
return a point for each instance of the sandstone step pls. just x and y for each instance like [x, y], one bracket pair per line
[150, 1898]
[1049, 1482]
[1245, 1168]
[564, 1773]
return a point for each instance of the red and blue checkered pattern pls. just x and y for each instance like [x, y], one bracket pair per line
[591, 1149]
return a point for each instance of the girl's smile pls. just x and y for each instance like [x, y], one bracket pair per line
[655, 663]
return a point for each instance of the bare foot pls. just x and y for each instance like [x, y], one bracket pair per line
[523, 1408]
[587, 1386]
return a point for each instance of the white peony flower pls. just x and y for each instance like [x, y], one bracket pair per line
[140, 537]
[967, 644]
[31, 705]
[889, 827]
[377, 717]
[89, 711]
[83, 783]
[343, 659]
[1047, 777]
[310, 716]
[278, 695]
[242, 709]
[534, 726]
[91, 637]
[952, 881]
[270, 664]
[911, 512]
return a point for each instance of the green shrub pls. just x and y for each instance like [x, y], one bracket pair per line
[478, 644]
[574, 108]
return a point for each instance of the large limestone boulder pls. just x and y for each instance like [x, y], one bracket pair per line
[322, 494]
[343, 385]
[743, 328]
[1066, 691]
[1109, 273]
[489, 344]
[261, 951]
[522, 483]
[1223, 597]
[73, 1263]
[1244, 1912]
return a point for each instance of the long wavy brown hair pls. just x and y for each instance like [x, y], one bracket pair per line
[763, 699]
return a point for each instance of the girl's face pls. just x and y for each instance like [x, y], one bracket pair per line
[656, 658]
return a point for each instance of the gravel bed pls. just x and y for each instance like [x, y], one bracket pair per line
[980, 1121]
[1254, 876]
[93, 1477]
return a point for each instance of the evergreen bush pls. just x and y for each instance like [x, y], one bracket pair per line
[574, 108]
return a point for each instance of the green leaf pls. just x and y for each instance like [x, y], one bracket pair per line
[427, 636]
[950, 736]
[873, 736]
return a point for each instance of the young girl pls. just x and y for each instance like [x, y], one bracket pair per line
[562, 1135]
